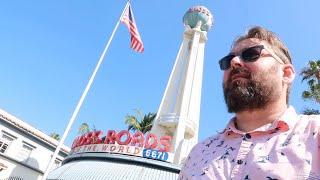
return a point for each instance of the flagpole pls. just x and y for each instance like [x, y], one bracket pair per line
[75, 113]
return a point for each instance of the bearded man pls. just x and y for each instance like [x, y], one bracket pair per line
[265, 139]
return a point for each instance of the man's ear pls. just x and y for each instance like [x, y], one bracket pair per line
[288, 73]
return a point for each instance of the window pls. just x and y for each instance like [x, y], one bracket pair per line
[56, 164]
[15, 178]
[25, 151]
[7, 136]
[3, 146]
[5, 141]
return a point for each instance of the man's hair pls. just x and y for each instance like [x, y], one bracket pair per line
[275, 43]
[271, 38]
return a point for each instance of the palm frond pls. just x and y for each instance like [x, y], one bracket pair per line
[311, 82]
[147, 122]
[132, 122]
[311, 74]
[309, 111]
[312, 71]
[306, 95]
[83, 129]
[139, 114]
[55, 136]
[140, 122]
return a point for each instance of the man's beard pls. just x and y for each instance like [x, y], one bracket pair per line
[255, 92]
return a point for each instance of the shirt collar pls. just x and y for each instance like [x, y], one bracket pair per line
[284, 123]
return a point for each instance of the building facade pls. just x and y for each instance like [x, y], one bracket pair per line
[24, 150]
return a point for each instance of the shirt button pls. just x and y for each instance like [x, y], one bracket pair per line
[248, 136]
[239, 161]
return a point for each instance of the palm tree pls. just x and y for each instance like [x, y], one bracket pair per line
[139, 122]
[55, 136]
[83, 129]
[309, 111]
[311, 74]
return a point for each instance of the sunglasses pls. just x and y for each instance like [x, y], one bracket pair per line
[250, 54]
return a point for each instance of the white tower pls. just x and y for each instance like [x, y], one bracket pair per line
[179, 111]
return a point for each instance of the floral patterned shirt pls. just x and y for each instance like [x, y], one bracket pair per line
[288, 148]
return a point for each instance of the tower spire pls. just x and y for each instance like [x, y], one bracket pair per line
[179, 110]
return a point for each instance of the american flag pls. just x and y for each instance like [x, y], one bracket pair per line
[128, 20]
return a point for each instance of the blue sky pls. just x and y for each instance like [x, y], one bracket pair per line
[50, 48]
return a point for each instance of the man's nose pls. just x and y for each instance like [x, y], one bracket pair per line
[236, 62]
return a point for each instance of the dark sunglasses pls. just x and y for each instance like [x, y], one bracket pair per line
[250, 54]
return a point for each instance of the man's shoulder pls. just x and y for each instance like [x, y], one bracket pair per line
[198, 150]
[311, 116]
[204, 144]
[309, 122]
[311, 119]
[198, 157]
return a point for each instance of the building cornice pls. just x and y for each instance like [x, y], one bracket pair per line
[23, 126]
[22, 163]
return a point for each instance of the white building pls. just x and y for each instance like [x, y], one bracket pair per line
[24, 150]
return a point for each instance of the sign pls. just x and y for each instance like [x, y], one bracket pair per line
[154, 154]
[123, 142]
[109, 148]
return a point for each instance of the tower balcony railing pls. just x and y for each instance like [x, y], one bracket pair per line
[171, 120]
[191, 127]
